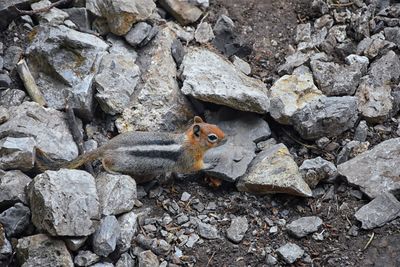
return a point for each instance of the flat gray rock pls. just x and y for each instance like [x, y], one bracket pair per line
[209, 77]
[375, 171]
[237, 229]
[64, 202]
[207, 231]
[304, 226]
[6, 249]
[15, 220]
[47, 126]
[290, 252]
[274, 171]
[12, 188]
[138, 33]
[11, 97]
[17, 153]
[379, 211]
[105, 237]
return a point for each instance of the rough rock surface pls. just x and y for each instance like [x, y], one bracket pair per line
[209, 77]
[53, 16]
[128, 227]
[41, 250]
[183, 11]
[316, 170]
[105, 237]
[63, 62]
[327, 116]
[56, 197]
[17, 153]
[204, 33]
[237, 229]
[274, 171]
[47, 126]
[117, 193]
[375, 171]
[15, 220]
[304, 226]
[290, 252]
[379, 211]
[148, 259]
[86, 258]
[12, 187]
[290, 94]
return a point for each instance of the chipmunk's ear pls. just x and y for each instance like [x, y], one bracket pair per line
[197, 119]
[196, 130]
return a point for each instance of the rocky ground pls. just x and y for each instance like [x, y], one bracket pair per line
[308, 93]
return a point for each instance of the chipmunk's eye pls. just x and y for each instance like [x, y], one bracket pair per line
[212, 138]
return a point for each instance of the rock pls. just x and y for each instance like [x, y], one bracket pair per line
[53, 16]
[378, 212]
[242, 65]
[12, 188]
[6, 249]
[64, 62]
[304, 226]
[208, 77]
[375, 171]
[184, 12]
[293, 61]
[373, 47]
[11, 97]
[148, 259]
[105, 237]
[361, 132]
[125, 261]
[128, 228]
[102, 264]
[230, 161]
[274, 171]
[207, 231]
[334, 79]
[158, 246]
[4, 115]
[303, 33]
[393, 35]
[360, 60]
[15, 220]
[11, 57]
[237, 229]
[117, 193]
[185, 196]
[350, 150]
[86, 258]
[177, 51]
[204, 33]
[271, 260]
[138, 33]
[192, 240]
[290, 252]
[47, 126]
[290, 94]
[327, 116]
[79, 16]
[158, 110]
[122, 14]
[75, 243]
[57, 197]
[5, 80]
[316, 170]
[223, 24]
[17, 153]
[41, 250]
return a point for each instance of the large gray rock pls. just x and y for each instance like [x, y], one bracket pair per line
[291, 93]
[375, 171]
[209, 77]
[290, 252]
[11, 97]
[41, 250]
[53, 16]
[327, 116]
[274, 171]
[121, 14]
[63, 62]
[304, 226]
[379, 211]
[158, 104]
[17, 153]
[128, 224]
[12, 188]
[117, 193]
[47, 126]
[105, 237]
[15, 220]
[316, 170]
[182, 10]
[244, 130]
[64, 202]
[237, 229]
[138, 33]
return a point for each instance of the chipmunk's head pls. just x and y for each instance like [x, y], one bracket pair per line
[205, 135]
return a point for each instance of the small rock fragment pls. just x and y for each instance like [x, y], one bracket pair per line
[207, 231]
[304, 226]
[128, 228]
[138, 33]
[184, 12]
[125, 260]
[204, 33]
[237, 229]
[12, 188]
[86, 258]
[17, 153]
[105, 237]
[316, 170]
[241, 65]
[148, 259]
[290, 252]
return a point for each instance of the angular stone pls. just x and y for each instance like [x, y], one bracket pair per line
[11, 57]
[53, 16]
[317, 170]
[184, 12]
[138, 33]
[293, 61]
[147, 259]
[207, 231]
[115, 82]
[158, 246]
[17, 153]
[41, 250]
[378, 212]
[303, 33]
[15, 220]
[327, 116]
[105, 237]
[12, 188]
[375, 171]
[304, 226]
[290, 252]
[5, 80]
[79, 16]
[128, 225]
[373, 47]
[290, 94]
[361, 132]
[360, 60]
[64, 202]
[274, 171]
[242, 65]
[209, 77]
[86, 258]
[122, 14]
[75, 243]
[11, 97]
[237, 229]
[385, 69]
[125, 260]
[159, 103]
[5, 247]
[64, 62]
[47, 126]
[204, 33]
[393, 35]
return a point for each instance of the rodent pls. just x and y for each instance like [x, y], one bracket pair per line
[145, 155]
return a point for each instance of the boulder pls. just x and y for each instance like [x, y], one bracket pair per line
[12, 188]
[17, 153]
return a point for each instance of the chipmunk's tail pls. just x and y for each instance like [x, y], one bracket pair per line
[43, 162]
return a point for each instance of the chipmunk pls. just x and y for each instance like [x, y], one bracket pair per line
[145, 155]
